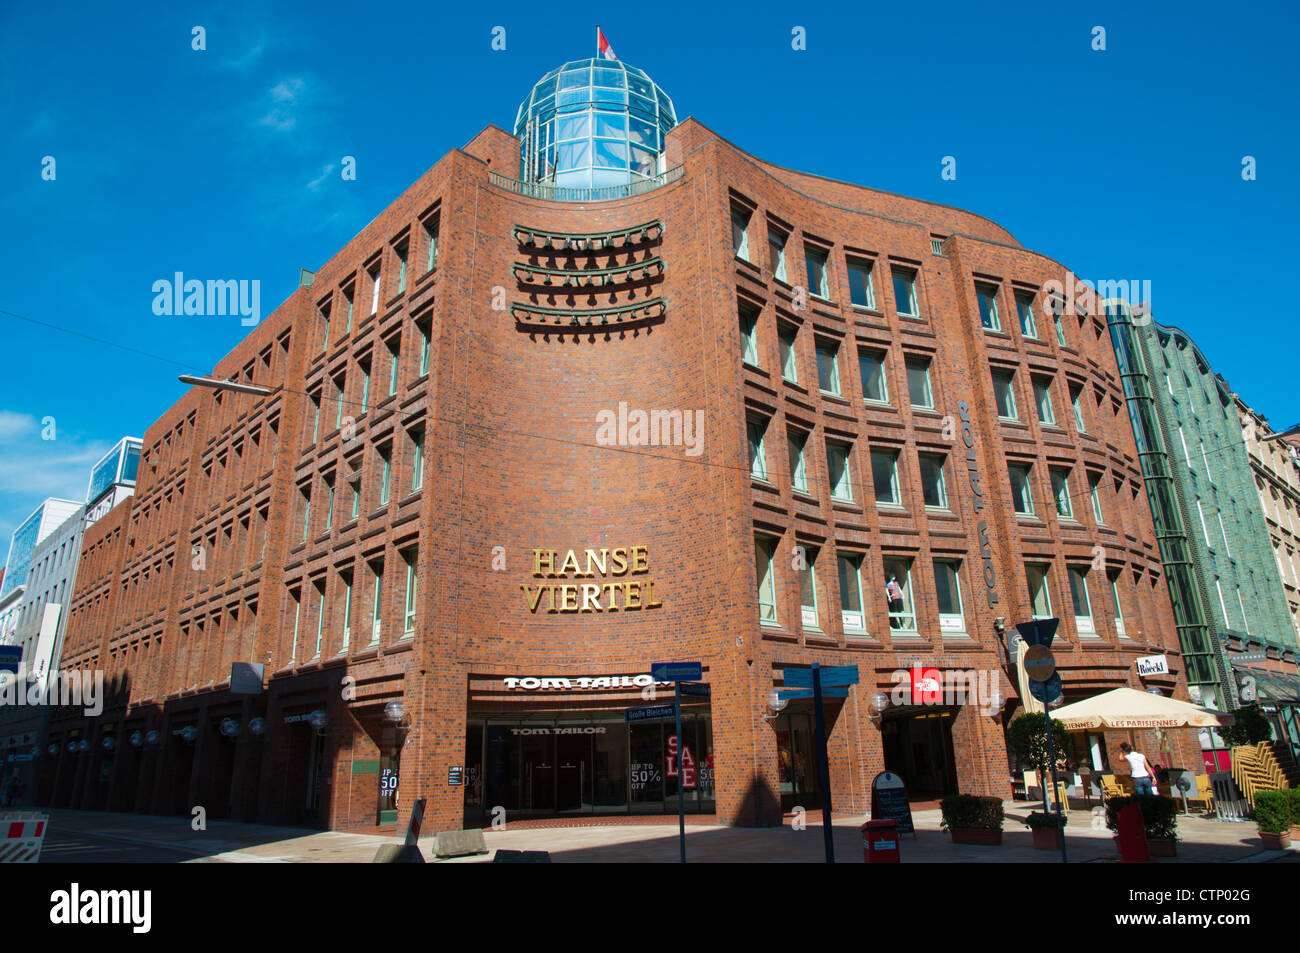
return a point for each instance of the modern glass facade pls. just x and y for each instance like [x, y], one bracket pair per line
[20, 552]
[593, 123]
[119, 465]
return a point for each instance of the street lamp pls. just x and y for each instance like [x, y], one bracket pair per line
[1291, 431]
[217, 383]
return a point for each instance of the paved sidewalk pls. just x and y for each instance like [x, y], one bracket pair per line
[1202, 841]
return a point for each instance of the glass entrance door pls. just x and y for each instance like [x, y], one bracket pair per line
[573, 781]
[537, 773]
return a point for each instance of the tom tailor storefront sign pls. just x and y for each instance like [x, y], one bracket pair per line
[977, 503]
[586, 683]
[613, 593]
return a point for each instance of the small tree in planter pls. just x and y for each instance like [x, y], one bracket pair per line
[1249, 728]
[1273, 815]
[971, 819]
[1047, 828]
[1159, 818]
[1292, 796]
[1027, 736]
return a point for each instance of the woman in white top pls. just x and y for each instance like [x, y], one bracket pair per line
[1140, 769]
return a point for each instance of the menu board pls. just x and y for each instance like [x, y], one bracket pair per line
[889, 801]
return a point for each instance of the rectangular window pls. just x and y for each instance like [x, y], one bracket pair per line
[1043, 398]
[296, 596]
[400, 250]
[1082, 607]
[1200, 511]
[340, 390]
[1061, 493]
[424, 329]
[776, 247]
[315, 420]
[798, 441]
[1224, 532]
[1025, 312]
[1206, 460]
[431, 240]
[740, 232]
[376, 605]
[815, 261]
[1076, 401]
[905, 292]
[1060, 328]
[988, 300]
[306, 511]
[1183, 440]
[329, 501]
[364, 366]
[786, 335]
[757, 457]
[749, 335]
[918, 382]
[765, 574]
[1223, 606]
[411, 558]
[884, 475]
[1093, 490]
[851, 592]
[325, 329]
[1119, 613]
[346, 578]
[828, 372]
[373, 271]
[871, 365]
[320, 618]
[808, 589]
[1022, 500]
[417, 458]
[1004, 394]
[354, 482]
[349, 293]
[898, 595]
[1242, 605]
[386, 464]
[861, 290]
[394, 345]
[933, 488]
[947, 590]
[841, 476]
[1040, 599]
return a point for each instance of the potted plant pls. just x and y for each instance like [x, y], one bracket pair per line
[1159, 819]
[1293, 798]
[971, 819]
[1048, 829]
[1273, 815]
[1027, 738]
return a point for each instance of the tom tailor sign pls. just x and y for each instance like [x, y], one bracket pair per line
[977, 502]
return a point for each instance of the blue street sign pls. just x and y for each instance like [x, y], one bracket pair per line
[652, 713]
[792, 694]
[677, 671]
[831, 676]
[698, 689]
[10, 657]
[1048, 691]
[1039, 631]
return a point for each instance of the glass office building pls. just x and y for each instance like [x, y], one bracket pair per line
[119, 465]
[591, 124]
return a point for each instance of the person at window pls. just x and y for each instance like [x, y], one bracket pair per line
[1140, 769]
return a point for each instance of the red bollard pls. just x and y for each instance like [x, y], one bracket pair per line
[1132, 836]
[880, 842]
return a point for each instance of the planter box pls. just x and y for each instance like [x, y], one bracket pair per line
[1162, 847]
[976, 835]
[1295, 832]
[1275, 841]
[1046, 838]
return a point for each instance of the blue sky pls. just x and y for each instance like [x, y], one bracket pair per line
[225, 163]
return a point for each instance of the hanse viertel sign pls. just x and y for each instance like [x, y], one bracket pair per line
[609, 565]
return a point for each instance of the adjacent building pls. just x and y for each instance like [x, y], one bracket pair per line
[606, 393]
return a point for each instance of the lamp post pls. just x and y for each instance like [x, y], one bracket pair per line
[217, 383]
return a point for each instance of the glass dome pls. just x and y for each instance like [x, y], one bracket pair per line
[593, 123]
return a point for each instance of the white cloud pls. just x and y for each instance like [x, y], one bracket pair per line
[14, 425]
[33, 469]
[285, 98]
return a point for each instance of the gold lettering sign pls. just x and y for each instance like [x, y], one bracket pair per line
[575, 595]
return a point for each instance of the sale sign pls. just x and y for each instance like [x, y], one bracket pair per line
[688, 764]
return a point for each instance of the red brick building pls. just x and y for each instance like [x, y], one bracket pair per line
[847, 384]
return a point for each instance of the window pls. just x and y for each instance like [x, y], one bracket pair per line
[1040, 599]
[1242, 605]
[1093, 483]
[1206, 460]
[828, 373]
[394, 345]
[1025, 312]
[871, 365]
[918, 382]
[1079, 595]
[1022, 500]
[862, 292]
[851, 592]
[1119, 613]
[315, 421]
[365, 384]
[348, 294]
[786, 336]
[798, 441]
[386, 463]
[757, 457]
[376, 611]
[933, 488]
[884, 475]
[988, 301]
[306, 511]
[401, 250]
[325, 321]
[947, 590]
[329, 498]
[424, 329]
[320, 617]
[815, 260]
[740, 232]
[898, 595]
[1061, 493]
[765, 572]
[776, 247]
[373, 271]
[1043, 398]
[1200, 511]
[1076, 401]
[1223, 606]
[1004, 394]
[749, 334]
[1183, 440]
[905, 292]
[340, 389]
[837, 465]
[1060, 328]
[295, 595]
[346, 579]
[417, 458]
[411, 558]
[354, 481]
[431, 237]
[1224, 532]
[808, 589]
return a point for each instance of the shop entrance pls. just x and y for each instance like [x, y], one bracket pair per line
[917, 741]
[797, 761]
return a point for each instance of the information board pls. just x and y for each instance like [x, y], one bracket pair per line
[889, 801]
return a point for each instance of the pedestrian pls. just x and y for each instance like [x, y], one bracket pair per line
[1140, 769]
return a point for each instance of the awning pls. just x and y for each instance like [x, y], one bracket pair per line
[1269, 686]
[1129, 709]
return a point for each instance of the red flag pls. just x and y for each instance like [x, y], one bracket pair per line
[603, 48]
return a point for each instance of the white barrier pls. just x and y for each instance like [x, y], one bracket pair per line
[21, 834]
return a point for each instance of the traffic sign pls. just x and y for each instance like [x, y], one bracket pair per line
[835, 675]
[10, 658]
[698, 689]
[1039, 631]
[835, 691]
[1048, 691]
[653, 713]
[1040, 663]
[677, 671]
